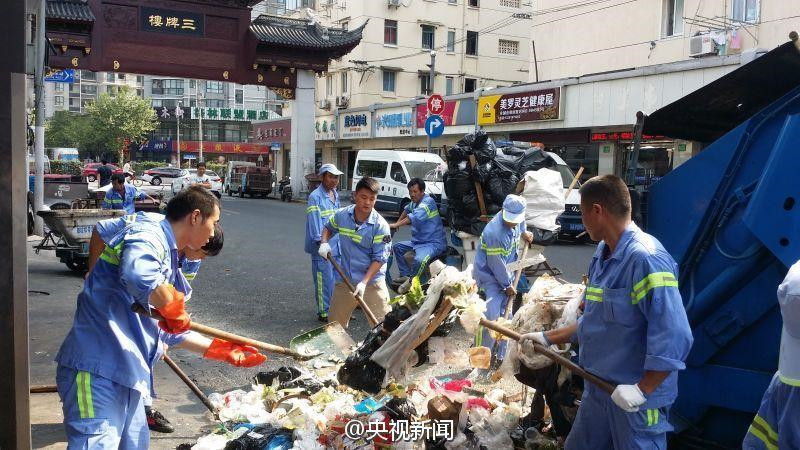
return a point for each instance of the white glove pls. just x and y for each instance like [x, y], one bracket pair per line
[324, 249]
[535, 337]
[628, 397]
[360, 288]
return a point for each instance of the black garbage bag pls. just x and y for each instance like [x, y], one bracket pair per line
[500, 185]
[534, 159]
[395, 317]
[290, 378]
[257, 438]
[481, 145]
[484, 172]
[457, 154]
[358, 370]
[399, 409]
[458, 183]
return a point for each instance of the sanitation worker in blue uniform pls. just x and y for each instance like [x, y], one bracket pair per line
[497, 248]
[777, 424]
[427, 233]
[322, 204]
[105, 363]
[364, 243]
[633, 332]
[122, 195]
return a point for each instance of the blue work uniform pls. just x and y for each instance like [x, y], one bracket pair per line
[105, 362]
[427, 237]
[114, 200]
[777, 424]
[497, 248]
[633, 321]
[361, 244]
[319, 211]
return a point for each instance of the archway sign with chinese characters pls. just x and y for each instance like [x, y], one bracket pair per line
[204, 39]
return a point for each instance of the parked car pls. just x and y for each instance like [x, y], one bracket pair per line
[90, 170]
[183, 181]
[159, 175]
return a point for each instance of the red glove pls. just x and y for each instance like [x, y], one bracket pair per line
[175, 318]
[234, 354]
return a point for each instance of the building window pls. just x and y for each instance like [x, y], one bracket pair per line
[427, 37]
[74, 104]
[510, 3]
[472, 43]
[214, 103]
[110, 77]
[214, 87]
[86, 102]
[448, 86]
[328, 86]
[470, 84]
[239, 96]
[90, 76]
[140, 79]
[745, 10]
[344, 83]
[505, 47]
[192, 84]
[673, 18]
[451, 41]
[233, 135]
[453, 2]
[390, 32]
[473, 3]
[345, 25]
[59, 87]
[59, 102]
[389, 81]
[90, 89]
[424, 85]
[140, 93]
[192, 103]
[122, 76]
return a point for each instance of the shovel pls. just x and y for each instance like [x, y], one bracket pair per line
[370, 316]
[330, 340]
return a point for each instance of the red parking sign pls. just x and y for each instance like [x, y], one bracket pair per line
[435, 104]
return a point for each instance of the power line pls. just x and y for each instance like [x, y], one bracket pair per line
[583, 13]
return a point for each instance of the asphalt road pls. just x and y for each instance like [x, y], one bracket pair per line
[259, 286]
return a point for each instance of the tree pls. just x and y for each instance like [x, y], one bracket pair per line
[113, 119]
[66, 129]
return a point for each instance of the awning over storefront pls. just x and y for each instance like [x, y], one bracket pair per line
[720, 106]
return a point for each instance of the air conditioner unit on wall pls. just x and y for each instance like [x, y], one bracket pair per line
[702, 45]
[342, 101]
[395, 3]
[324, 104]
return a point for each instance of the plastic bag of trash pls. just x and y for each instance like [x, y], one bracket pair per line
[481, 145]
[358, 371]
[544, 195]
[210, 442]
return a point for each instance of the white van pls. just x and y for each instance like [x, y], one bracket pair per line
[65, 154]
[393, 169]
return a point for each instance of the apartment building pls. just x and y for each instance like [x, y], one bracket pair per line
[87, 87]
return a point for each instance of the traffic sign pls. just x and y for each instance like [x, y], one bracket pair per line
[434, 126]
[61, 76]
[435, 104]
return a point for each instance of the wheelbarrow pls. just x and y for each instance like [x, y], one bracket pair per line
[69, 232]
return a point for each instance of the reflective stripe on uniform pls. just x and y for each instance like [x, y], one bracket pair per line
[652, 417]
[83, 381]
[320, 302]
[789, 381]
[311, 209]
[594, 294]
[652, 281]
[190, 276]
[327, 212]
[111, 255]
[498, 251]
[378, 238]
[431, 214]
[761, 429]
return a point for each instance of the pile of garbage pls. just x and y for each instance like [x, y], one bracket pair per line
[498, 170]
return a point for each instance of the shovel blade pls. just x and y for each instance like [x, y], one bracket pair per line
[330, 340]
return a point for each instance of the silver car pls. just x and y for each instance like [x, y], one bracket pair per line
[182, 182]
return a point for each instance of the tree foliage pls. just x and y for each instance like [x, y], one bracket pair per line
[114, 119]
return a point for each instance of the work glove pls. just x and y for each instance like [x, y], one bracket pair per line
[234, 354]
[537, 337]
[176, 320]
[324, 250]
[360, 288]
[628, 397]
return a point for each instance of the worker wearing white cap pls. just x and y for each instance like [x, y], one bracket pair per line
[777, 424]
[322, 204]
[498, 248]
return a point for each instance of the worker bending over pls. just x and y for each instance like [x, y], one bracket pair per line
[322, 204]
[427, 233]
[105, 363]
[777, 424]
[498, 248]
[633, 332]
[122, 195]
[365, 243]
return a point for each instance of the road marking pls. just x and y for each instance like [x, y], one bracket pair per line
[230, 212]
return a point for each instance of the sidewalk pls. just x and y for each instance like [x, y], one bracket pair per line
[53, 290]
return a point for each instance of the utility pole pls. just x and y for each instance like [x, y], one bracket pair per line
[200, 120]
[431, 78]
[178, 119]
[38, 146]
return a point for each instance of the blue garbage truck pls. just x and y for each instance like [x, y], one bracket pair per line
[730, 217]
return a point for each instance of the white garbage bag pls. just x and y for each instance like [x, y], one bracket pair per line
[544, 195]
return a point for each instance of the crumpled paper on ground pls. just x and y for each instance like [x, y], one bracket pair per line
[395, 352]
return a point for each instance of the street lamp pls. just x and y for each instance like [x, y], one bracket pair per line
[200, 120]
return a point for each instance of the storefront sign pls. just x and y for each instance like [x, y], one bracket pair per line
[277, 131]
[275, 146]
[531, 106]
[157, 145]
[174, 22]
[455, 112]
[622, 136]
[324, 128]
[233, 114]
[354, 125]
[393, 122]
[224, 147]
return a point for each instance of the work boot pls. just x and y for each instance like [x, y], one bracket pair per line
[157, 422]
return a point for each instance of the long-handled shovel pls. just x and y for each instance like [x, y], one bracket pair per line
[555, 357]
[370, 316]
[192, 386]
[230, 337]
